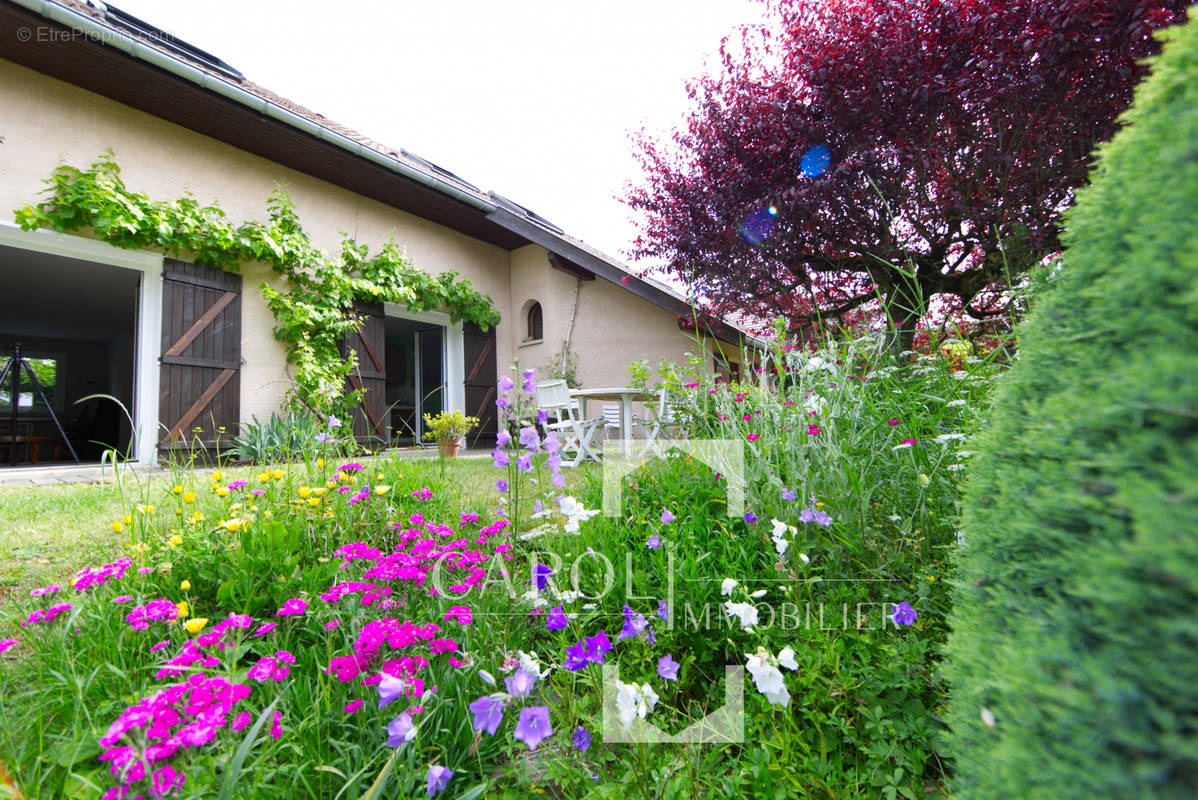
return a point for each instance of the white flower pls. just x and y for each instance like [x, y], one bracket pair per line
[530, 664]
[894, 518]
[745, 612]
[634, 701]
[803, 557]
[964, 453]
[486, 677]
[786, 658]
[781, 545]
[757, 595]
[948, 437]
[766, 675]
[780, 529]
[960, 374]
[768, 678]
[955, 467]
[569, 597]
[988, 718]
[901, 446]
[575, 513]
[954, 403]
[727, 586]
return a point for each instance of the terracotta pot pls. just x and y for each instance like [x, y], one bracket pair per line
[448, 448]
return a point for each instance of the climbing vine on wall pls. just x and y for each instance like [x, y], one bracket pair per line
[313, 313]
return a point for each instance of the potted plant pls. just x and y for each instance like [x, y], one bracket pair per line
[448, 429]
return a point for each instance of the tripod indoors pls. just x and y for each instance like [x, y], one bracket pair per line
[12, 370]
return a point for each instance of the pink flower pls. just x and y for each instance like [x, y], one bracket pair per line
[910, 441]
[292, 607]
[353, 706]
[276, 730]
[328, 626]
[241, 720]
[752, 437]
[459, 613]
[892, 421]
[6, 643]
[265, 628]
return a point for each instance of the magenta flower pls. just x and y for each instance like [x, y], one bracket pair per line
[166, 779]
[667, 667]
[353, 705]
[265, 628]
[520, 683]
[292, 607]
[438, 778]
[328, 626]
[400, 730]
[459, 613]
[236, 485]
[533, 726]
[6, 644]
[556, 620]
[892, 421]
[488, 714]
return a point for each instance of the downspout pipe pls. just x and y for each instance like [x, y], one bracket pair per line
[119, 40]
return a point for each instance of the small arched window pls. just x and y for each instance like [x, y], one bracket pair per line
[535, 324]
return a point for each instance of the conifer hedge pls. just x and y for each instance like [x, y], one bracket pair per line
[1073, 658]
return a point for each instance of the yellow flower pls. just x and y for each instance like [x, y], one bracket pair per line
[216, 476]
[264, 477]
[185, 585]
[175, 540]
[189, 497]
[177, 488]
[341, 476]
[182, 608]
[269, 514]
[128, 520]
[276, 474]
[221, 491]
[196, 517]
[319, 492]
[233, 509]
[195, 625]
[378, 477]
[232, 525]
[140, 548]
[382, 489]
[330, 483]
[304, 491]
[320, 463]
[179, 510]
[117, 527]
[314, 502]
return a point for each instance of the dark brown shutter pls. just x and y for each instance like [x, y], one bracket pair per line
[370, 375]
[480, 382]
[200, 386]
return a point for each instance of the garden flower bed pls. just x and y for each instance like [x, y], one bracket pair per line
[341, 628]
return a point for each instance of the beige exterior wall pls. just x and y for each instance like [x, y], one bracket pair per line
[612, 326]
[47, 122]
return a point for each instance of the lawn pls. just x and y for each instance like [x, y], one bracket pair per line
[343, 627]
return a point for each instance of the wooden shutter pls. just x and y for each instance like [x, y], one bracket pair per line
[480, 382]
[370, 375]
[200, 386]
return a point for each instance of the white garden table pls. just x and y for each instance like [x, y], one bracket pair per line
[626, 396]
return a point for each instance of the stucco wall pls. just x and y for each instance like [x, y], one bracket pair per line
[612, 326]
[47, 122]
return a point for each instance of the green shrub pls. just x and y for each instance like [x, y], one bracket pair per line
[1072, 662]
[280, 439]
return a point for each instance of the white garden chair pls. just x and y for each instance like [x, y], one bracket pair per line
[664, 421]
[575, 433]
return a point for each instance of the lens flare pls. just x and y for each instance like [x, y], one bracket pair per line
[815, 161]
[758, 225]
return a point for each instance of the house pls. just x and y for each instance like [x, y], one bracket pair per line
[188, 348]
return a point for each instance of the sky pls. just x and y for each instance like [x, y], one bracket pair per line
[531, 99]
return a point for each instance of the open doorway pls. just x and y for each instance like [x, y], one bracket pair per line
[415, 386]
[76, 324]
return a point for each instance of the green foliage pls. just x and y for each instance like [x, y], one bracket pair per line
[313, 314]
[282, 438]
[449, 426]
[1072, 659]
[562, 365]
